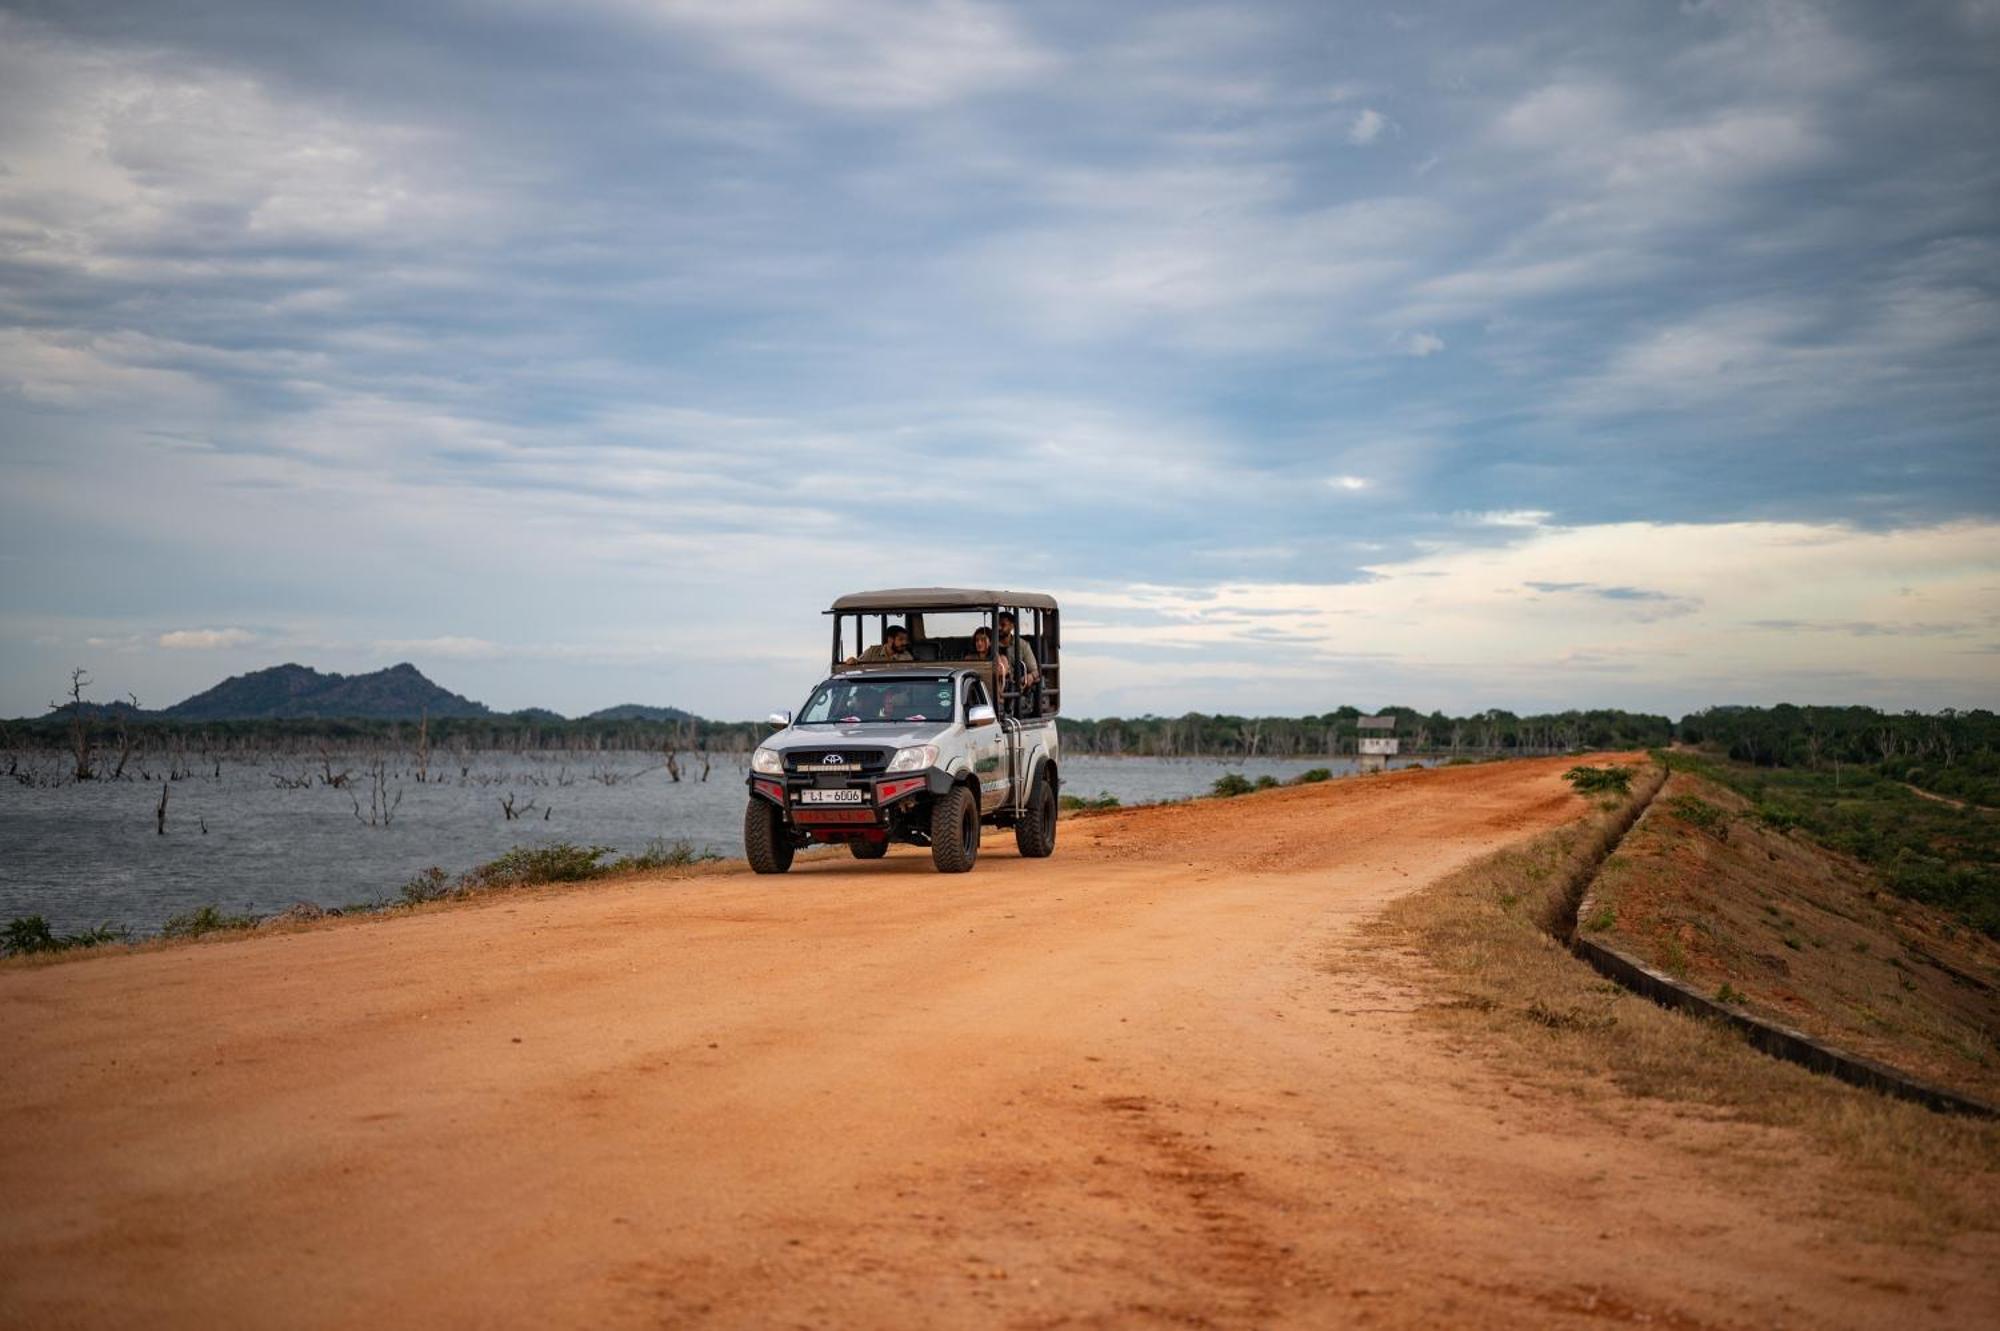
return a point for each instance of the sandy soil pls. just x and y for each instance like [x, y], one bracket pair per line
[1148, 1082]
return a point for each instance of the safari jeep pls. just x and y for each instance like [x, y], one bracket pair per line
[927, 745]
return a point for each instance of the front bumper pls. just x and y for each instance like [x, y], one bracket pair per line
[884, 796]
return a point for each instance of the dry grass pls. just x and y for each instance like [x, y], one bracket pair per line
[1508, 988]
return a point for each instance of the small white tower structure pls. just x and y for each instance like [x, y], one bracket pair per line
[1375, 750]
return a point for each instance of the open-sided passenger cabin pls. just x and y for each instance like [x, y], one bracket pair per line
[942, 622]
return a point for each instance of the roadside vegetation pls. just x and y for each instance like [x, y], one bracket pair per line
[1504, 990]
[30, 934]
[1231, 784]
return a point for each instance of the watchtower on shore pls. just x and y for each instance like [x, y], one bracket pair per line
[1376, 744]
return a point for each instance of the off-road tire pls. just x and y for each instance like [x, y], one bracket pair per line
[766, 842]
[1035, 832]
[955, 831]
[868, 850]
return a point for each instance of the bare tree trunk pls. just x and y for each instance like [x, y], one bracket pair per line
[160, 814]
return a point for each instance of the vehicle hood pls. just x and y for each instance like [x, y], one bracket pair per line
[887, 736]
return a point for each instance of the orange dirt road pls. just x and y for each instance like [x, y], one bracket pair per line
[1145, 1083]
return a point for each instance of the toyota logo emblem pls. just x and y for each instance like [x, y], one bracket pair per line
[833, 758]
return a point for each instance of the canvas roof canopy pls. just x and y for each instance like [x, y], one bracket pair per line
[940, 598]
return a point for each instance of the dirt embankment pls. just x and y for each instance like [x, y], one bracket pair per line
[1149, 1082]
[1778, 925]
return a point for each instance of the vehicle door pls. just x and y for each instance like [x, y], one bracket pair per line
[986, 748]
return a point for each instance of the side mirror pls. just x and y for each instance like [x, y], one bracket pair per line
[980, 714]
[779, 720]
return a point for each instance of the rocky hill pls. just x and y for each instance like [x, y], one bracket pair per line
[632, 711]
[292, 692]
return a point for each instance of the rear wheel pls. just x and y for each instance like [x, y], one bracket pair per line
[1035, 833]
[766, 843]
[868, 850]
[955, 831]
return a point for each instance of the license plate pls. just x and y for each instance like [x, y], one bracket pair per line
[833, 797]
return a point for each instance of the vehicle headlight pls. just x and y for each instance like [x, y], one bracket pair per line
[914, 759]
[768, 761]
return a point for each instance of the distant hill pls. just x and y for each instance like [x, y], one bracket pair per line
[296, 692]
[540, 716]
[632, 711]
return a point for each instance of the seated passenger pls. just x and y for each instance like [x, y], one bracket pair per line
[1017, 659]
[982, 644]
[895, 646]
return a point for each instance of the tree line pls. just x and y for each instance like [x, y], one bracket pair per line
[1336, 733]
[1949, 752]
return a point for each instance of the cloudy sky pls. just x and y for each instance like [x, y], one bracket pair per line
[1461, 355]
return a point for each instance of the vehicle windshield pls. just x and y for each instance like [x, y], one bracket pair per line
[865, 701]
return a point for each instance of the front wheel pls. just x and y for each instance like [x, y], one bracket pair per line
[955, 831]
[1035, 833]
[766, 843]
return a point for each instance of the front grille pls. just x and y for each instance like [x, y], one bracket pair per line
[851, 761]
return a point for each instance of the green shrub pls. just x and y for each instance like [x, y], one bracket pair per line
[28, 934]
[1730, 994]
[1601, 919]
[1777, 817]
[1267, 782]
[205, 920]
[1080, 803]
[1312, 776]
[1600, 780]
[525, 866]
[1699, 814]
[663, 854]
[429, 885]
[1231, 783]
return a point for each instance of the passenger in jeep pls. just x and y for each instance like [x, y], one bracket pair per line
[895, 646]
[1017, 658]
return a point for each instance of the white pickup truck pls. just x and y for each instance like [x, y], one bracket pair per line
[938, 719]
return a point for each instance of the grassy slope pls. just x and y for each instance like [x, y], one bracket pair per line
[1925, 849]
[1502, 986]
[1707, 891]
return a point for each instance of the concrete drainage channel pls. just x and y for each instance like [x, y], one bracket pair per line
[1774, 1039]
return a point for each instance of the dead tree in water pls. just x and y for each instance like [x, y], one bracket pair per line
[79, 732]
[704, 762]
[507, 807]
[160, 814]
[125, 741]
[423, 746]
[327, 776]
[381, 809]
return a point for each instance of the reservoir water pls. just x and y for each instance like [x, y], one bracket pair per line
[255, 835]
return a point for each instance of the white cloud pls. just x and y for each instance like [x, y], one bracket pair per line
[205, 640]
[1367, 127]
[1698, 614]
[1513, 517]
[1349, 483]
[1421, 345]
[865, 55]
[453, 647]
